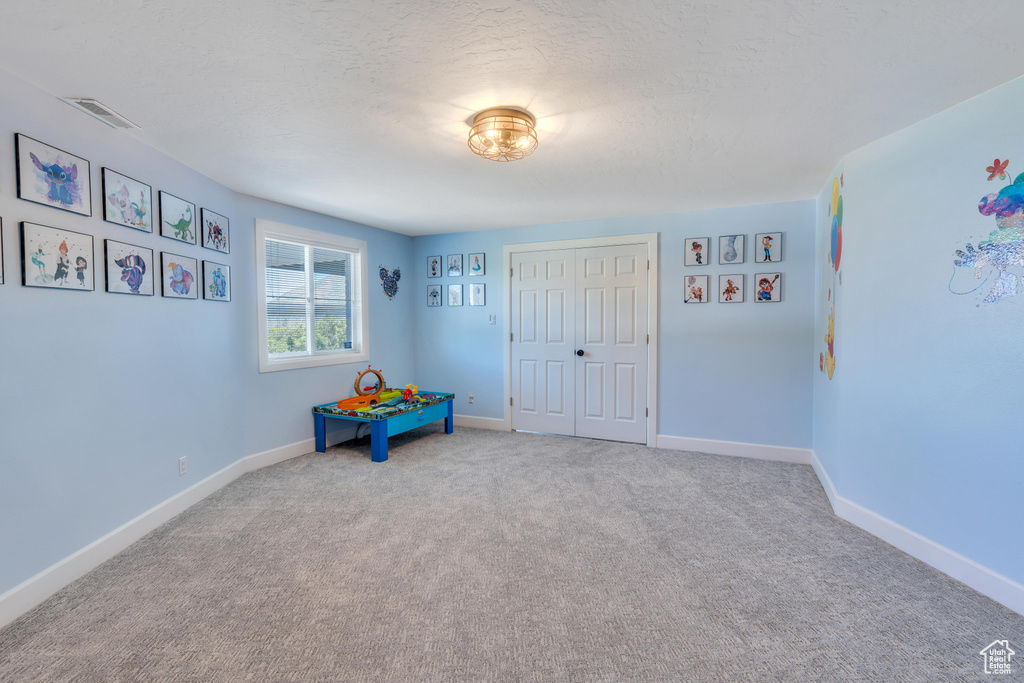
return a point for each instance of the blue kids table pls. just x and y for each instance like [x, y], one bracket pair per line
[385, 422]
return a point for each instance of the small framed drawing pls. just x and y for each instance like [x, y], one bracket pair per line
[731, 249]
[768, 287]
[698, 251]
[454, 265]
[216, 281]
[730, 289]
[51, 176]
[56, 258]
[177, 218]
[477, 294]
[178, 279]
[214, 228]
[434, 266]
[767, 247]
[434, 293]
[126, 201]
[695, 289]
[476, 265]
[454, 295]
[129, 268]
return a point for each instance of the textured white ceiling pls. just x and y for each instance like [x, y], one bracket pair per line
[358, 109]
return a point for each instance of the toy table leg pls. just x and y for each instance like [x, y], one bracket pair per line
[449, 422]
[320, 428]
[378, 441]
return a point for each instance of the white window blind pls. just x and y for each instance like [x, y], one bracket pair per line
[312, 306]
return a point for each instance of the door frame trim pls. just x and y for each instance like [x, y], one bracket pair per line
[650, 240]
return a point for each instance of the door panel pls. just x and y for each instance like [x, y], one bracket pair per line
[543, 339]
[612, 391]
[594, 299]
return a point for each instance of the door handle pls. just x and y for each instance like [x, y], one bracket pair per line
[579, 352]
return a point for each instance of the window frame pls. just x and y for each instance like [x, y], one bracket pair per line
[311, 238]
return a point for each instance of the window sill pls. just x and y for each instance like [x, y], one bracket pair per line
[270, 365]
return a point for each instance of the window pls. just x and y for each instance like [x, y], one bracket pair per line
[310, 287]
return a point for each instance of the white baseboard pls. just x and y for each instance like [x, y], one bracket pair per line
[801, 456]
[1003, 590]
[480, 422]
[32, 591]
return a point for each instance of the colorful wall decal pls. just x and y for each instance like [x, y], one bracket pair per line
[768, 247]
[179, 276]
[177, 218]
[695, 289]
[767, 287]
[127, 201]
[434, 266]
[832, 278]
[698, 251]
[56, 258]
[731, 288]
[389, 281]
[476, 265]
[129, 268]
[215, 230]
[434, 295]
[731, 249]
[51, 176]
[1003, 250]
[216, 281]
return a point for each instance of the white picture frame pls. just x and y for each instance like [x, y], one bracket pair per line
[732, 288]
[732, 250]
[695, 289]
[768, 247]
[454, 295]
[477, 294]
[767, 287]
[697, 251]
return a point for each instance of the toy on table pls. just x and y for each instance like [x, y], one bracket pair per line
[410, 393]
[366, 396]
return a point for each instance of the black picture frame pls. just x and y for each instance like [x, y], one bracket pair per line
[215, 229]
[129, 270]
[175, 208]
[61, 192]
[33, 235]
[169, 260]
[132, 213]
[210, 283]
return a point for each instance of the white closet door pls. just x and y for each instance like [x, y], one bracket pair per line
[611, 330]
[542, 363]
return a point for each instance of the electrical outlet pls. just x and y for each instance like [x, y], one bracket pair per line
[470, 397]
[494, 319]
[182, 466]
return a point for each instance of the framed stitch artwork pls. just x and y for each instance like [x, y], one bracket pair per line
[126, 201]
[129, 268]
[56, 258]
[177, 218]
[52, 177]
[215, 231]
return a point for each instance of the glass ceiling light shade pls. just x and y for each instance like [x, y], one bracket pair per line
[503, 134]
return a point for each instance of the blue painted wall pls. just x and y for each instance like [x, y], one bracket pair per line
[732, 372]
[921, 422]
[101, 393]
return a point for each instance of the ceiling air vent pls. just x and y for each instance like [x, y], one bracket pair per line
[99, 111]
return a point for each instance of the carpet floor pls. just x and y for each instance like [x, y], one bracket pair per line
[490, 556]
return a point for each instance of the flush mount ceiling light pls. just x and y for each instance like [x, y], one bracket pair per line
[503, 134]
